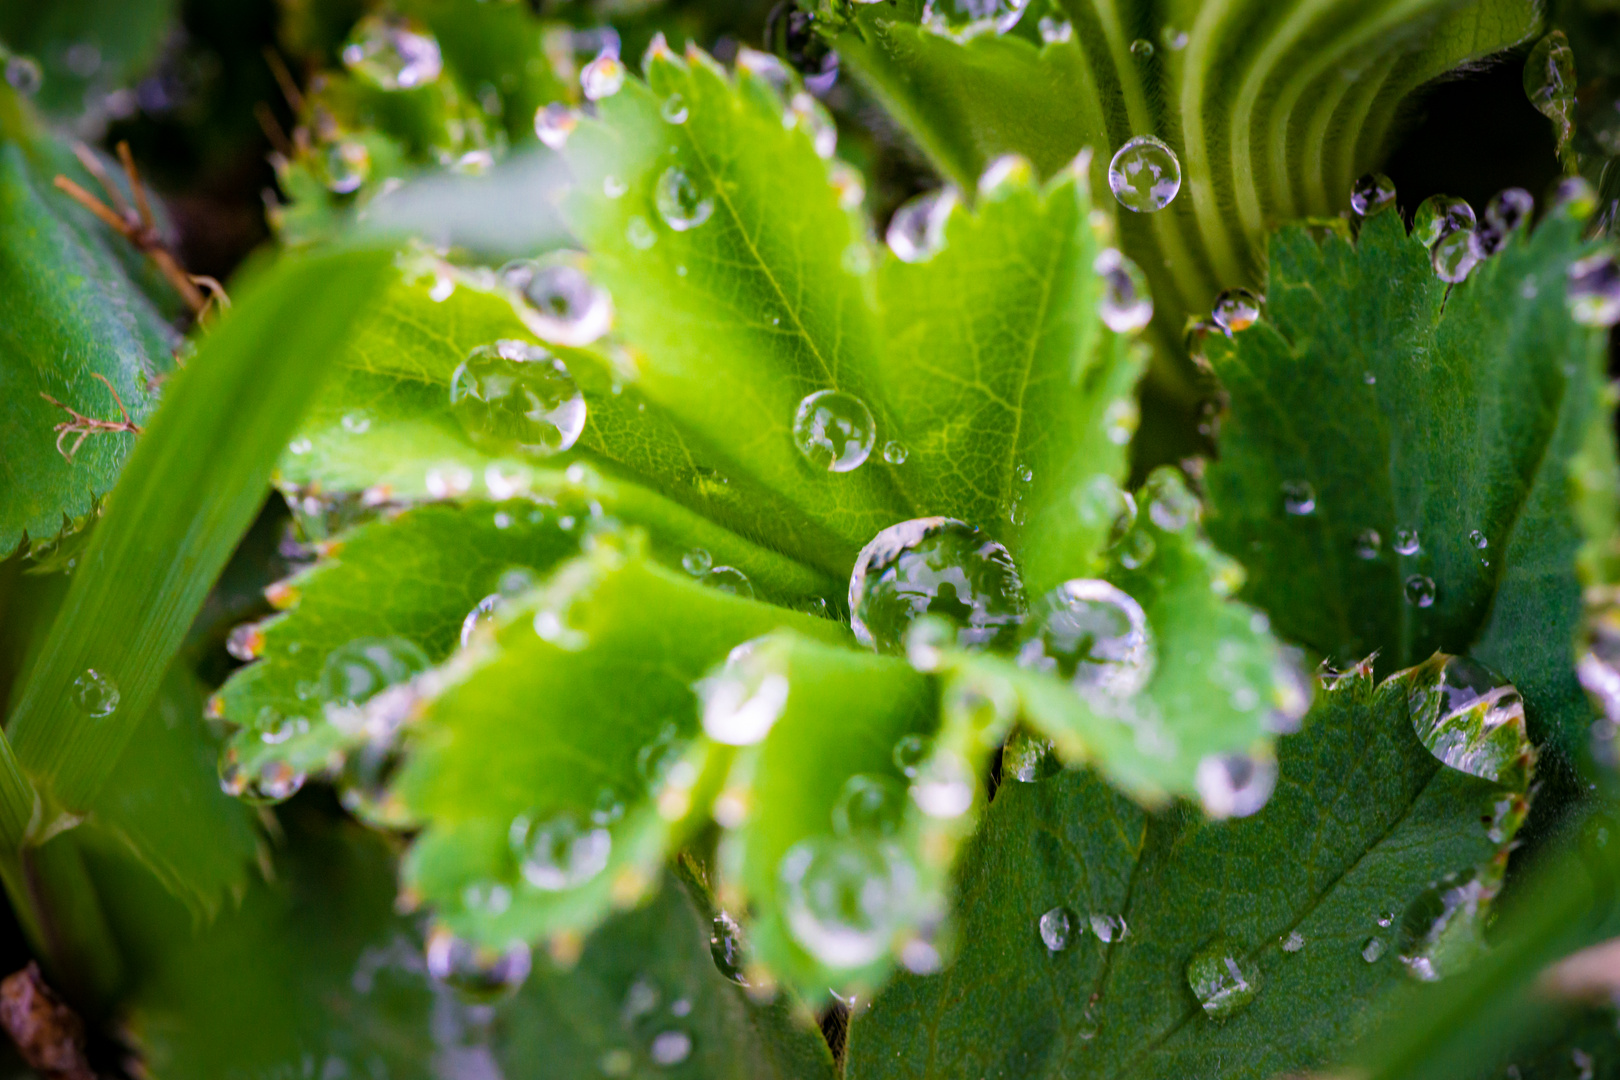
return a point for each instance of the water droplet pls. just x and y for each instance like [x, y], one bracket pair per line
[1368, 544]
[1109, 928]
[613, 187]
[1549, 82]
[965, 19]
[1594, 290]
[1126, 305]
[743, 699]
[1372, 949]
[1440, 929]
[895, 452]
[558, 853]
[602, 77]
[726, 947]
[729, 579]
[272, 782]
[868, 804]
[1144, 175]
[300, 446]
[805, 112]
[1439, 216]
[1372, 194]
[1236, 310]
[356, 423]
[1406, 542]
[1137, 549]
[345, 165]
[1294, 942]
[393, 53]
[23, 74]
[917, 230]
[1469, 717]
[1173, 39]
[1218, 980]
[674, 109]
[670, 1047]
[639, 232]
[697, 562]
[1055, 926]
[479, 973]
[1478, 539]
[1055, 31]
[1504, 214]
[934, 566]
[513, 396]
[1234, 785]
[448, 482]
[553, 124]
[834, 430]
[1454, 257]
[1142, 49]
[1369, 378]
[845, 897]
[560, 302]
[943, 787]
[1420, 590]
[245, 642]
[95, 694]
[356, 672]
[1299, 498]
[909, 752]
[1093, 634]
[679, 202]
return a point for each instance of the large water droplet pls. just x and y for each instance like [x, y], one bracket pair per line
[393, 53]
[845, 897]
[1441, 215]
[743, 699]
[726, 947]
[1594, 290]
[1055, 926]
[479, 973]
[356, 672]
[1219, 981]
[1372, 194]
[834, 430]
[679, 202]
[1125, 305]
[1094, 635]
[1469, 717]
[558, 852]
[516, 397]
[1549, 82]
[917, 230]
[934, 566]
[602, 77]
[1236, 310]
[1234, 785]
[1144, 174]
[869, 803]
[95, 693]
[560, 303]
[1440, 929]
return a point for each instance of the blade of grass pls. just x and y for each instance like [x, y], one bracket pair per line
[189, 492]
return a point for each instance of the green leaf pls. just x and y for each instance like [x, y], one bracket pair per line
[1395, 404]
[162, 804]
[1272, 111]
[1363, 821]
[75, 318]
[86, 49]
[192, 489]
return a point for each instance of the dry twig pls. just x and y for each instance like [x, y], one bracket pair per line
[85, 426]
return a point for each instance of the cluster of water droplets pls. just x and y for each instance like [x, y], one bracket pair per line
[1060, 928]
[514, 397]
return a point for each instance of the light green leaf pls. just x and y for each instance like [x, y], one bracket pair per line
[1431, 430]
[1364, 820]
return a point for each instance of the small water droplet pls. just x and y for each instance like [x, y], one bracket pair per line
[1477, 538]
[393, 53]
[512, 396]
[1406, 542]
[895, 452]
[1144, 174]
[479, 973]
[917, 230]
[729, 579]
[300, 446]
[1420, 590]
[1234, 785]
[806, 113]
[1236, 310]
[24, 75]
[560, 303]
[697, 562]
[1372, 949]
[1142, 49]
[743, 699]
[1440, 215]
[934, 566]
[869, 804]
[95, 693]
[844, 897]
[943, 787]
[1372, 194]
[1055, 927]
[726, 947]
[245, 642]
[602, 77]
[1219, 981]
[834, 430]
[1125, 305]
[679, 202]
[1454, 257]
[613, 187]
[553, 124]
[1368, 544]
[558, 853]
[355, 672]
[1173, 39]
[1593, 290]
[1299, 498]
[1369, 378]
[1093, 634]
[909, 752]
[674, 109]
[1109, 928]
[345, 166]
[670, 1048]
[639, 232]
[1055, 31]
[1294, 942]
[1027, 759]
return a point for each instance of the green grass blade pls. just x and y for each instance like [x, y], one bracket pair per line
[191, 489]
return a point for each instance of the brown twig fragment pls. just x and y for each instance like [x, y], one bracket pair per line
[134, 223]
[85, 426]
[48, 1033]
